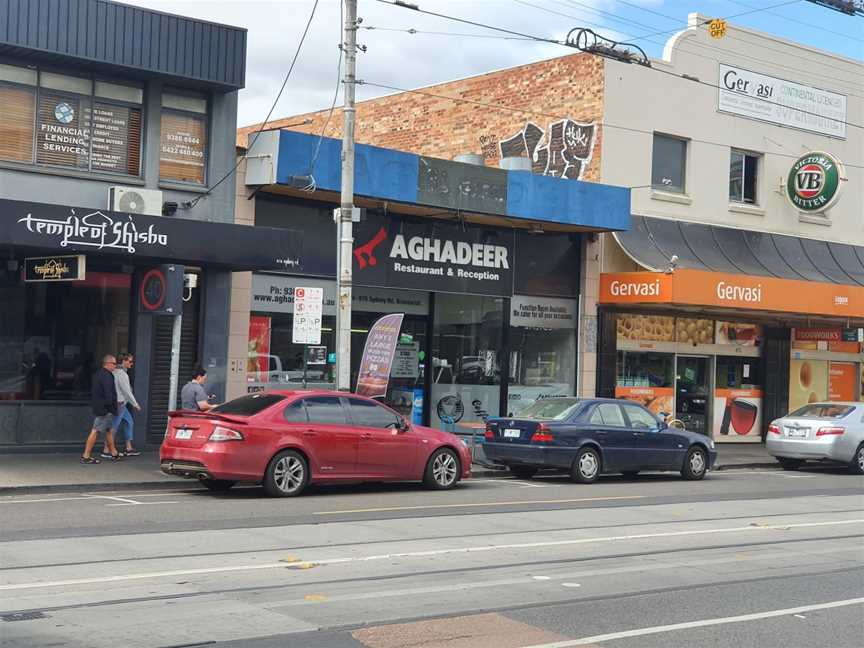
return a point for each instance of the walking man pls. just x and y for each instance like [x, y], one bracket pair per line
[192, 396]
[104, 403]
[125, 398]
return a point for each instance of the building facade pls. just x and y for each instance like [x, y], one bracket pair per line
[112, 123]
[482, 262]
[736, 294]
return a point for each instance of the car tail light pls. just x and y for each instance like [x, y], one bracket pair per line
[773, 429]
[224, 434]
[830, 431]
[543, 434]
[489, 435]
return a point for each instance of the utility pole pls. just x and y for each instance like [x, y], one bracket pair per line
[344, 225]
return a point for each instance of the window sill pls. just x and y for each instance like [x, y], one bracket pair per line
[179, 186]
[824, 221]
[665, 196]
[744, 208]
[71, 173]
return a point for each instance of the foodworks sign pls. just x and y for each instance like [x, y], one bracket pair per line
[814, 182]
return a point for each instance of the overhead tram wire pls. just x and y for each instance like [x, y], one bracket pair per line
[194, 202]
[397, 3]
[412, 31]
[555, 116]
[701, 46]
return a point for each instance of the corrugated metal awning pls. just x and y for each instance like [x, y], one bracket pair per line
[652, 242]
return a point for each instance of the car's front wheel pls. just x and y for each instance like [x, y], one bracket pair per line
[856, 466]
[695, 464]
[523, 472]
[586, 467]
[442, 470]
[287, 475]
[218, 485]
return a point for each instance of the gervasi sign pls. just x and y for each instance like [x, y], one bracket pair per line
[433, 255]
[814, 182]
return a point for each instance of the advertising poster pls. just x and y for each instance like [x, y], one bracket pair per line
[656, 399]
[257, 367]
[738, 334]
[653, 328]
[808, 382]
[843, 381]
[737, 413]
[374, 374]
[464, 408]
[694, 331]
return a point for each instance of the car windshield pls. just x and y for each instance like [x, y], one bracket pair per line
[822, 410]
[248, 405]
[556, 409]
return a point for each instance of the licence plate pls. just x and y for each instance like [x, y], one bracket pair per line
[510, 433]
[183, 433]
[796, 434]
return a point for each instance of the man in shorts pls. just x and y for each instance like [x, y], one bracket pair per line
[104, 404]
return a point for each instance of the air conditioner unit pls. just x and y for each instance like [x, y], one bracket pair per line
[134, 200]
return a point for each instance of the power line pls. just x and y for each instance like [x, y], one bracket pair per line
[555, 116]
[693, 79]
[680, 48]
[194, 202]
[792, 20]
[413, 31]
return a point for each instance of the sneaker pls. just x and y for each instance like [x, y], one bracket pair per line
[89, 460]
[117, 457]
[131, 453]
[105, 455]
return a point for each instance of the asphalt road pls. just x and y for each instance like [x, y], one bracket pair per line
[743, 558]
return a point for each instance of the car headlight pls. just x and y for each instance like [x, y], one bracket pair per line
[711, 443]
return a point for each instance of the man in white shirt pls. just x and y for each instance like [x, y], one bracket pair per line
[125, 398]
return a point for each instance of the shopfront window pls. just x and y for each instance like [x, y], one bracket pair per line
[542, 350]
[648, 379]
[53, 335]
[72, 122]
[466, 359]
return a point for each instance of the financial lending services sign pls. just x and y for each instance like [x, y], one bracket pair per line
[782, 102]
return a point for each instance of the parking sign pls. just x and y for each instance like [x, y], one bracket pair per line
[307, 315]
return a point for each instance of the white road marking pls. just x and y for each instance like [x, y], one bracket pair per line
[305, 564]
[570, 585]
[478, 504]
[140, 504]
[49, 499]
[542, 578]
[125, 500]
[612, 636]
[799, 616]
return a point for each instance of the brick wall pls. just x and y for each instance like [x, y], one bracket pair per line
[569, 87]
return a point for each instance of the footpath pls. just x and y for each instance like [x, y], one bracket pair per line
[45, 473]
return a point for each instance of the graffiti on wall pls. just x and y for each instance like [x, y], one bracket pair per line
[563, 153]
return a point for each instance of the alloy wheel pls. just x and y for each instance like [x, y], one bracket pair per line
[588, 465]
[444, 469]
[289, 473]
[861, 459]
[697, 463]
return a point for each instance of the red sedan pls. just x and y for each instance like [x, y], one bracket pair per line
[287, 439]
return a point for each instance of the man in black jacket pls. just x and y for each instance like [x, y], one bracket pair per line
[104, 410]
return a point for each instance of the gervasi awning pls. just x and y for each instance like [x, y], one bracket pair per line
[653, 242]
[83, 230]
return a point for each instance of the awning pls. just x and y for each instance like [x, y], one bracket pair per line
[652, 242]
[52, 228]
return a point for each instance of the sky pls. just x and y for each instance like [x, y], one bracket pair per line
[398, 58]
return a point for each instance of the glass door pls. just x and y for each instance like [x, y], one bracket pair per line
[692, 377]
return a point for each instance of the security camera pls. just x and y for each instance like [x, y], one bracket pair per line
[673, 263]
[169, 208]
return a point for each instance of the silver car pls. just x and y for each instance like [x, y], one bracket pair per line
[820, 432]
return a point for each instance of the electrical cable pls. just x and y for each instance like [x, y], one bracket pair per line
[194, 202]
[413, 31]
[694, 80]
[539, 113]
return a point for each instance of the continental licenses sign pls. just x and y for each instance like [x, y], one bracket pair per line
[701, 288]
[55, 268]
[814, 182]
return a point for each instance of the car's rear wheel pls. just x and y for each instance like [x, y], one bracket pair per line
[857, 463]
[287, 475]
[695, 464]
[523, 472]
[219, 485]
[790, 464]
[442, 470]
[586, 467]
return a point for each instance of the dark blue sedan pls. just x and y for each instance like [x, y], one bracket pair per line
[587, 437]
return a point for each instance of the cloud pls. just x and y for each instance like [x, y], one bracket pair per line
[392, 57]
